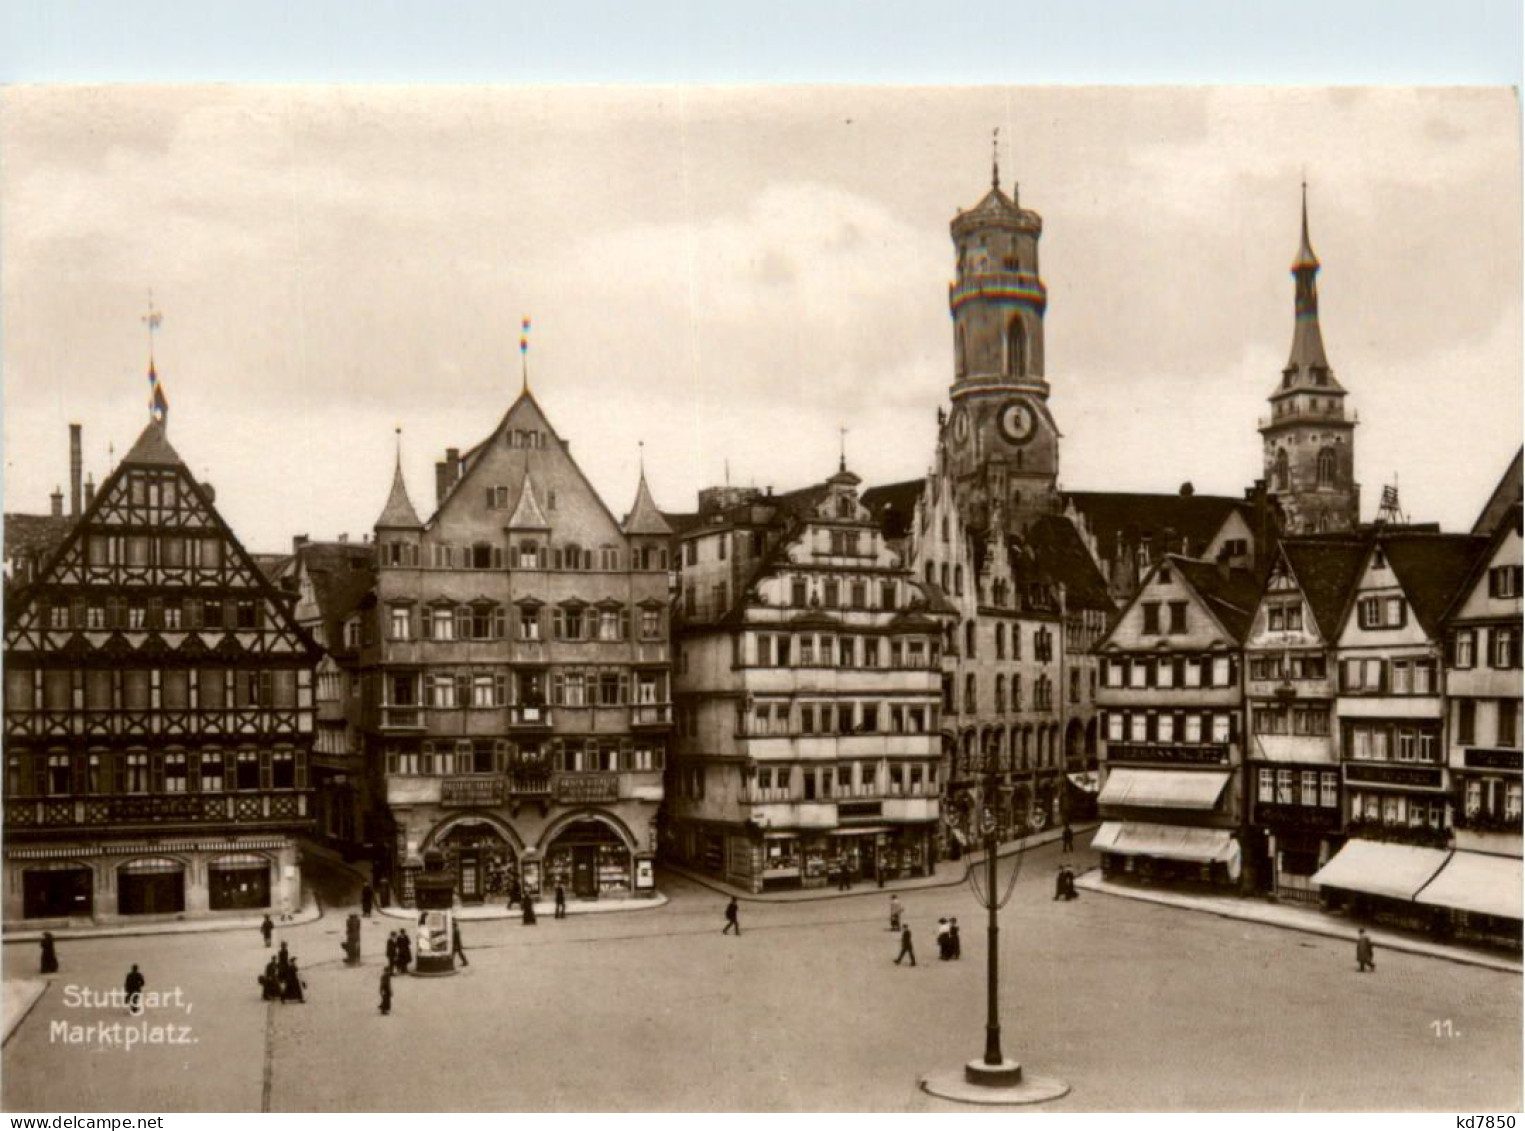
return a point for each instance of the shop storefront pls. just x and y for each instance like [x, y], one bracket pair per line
[57, 891]
[153, 886]
[239, 882]
[481, 859]
[590, 860]
[1173, 854]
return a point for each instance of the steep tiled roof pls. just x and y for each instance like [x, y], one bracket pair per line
[1506, 494]
[893, 505]
[1231, 595]
[153, 447]
[682, 522]
[1062, 559]
[644, 517]
[399, 510]
[1326, 572]
[1432, 568]
[273, 566]
[1121, 517]
[31, 539]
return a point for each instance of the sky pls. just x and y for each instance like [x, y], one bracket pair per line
[731, 275]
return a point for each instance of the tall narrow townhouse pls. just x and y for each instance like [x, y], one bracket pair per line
[1171, 800]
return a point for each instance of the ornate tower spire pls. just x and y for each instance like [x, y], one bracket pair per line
[1309, 443]
[398, 512]
[1307, 340]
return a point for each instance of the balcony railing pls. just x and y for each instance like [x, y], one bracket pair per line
[402, 718]
[279, 807]
[651, 714]
[529, 718]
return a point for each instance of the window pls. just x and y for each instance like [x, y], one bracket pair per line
[1000, 641]
[1193, 733]
[1138, 673]
[1265, 791]
[1465, 648]
[1506, 648]
[1138, 724]
[1222, 728]
[1361, 675]
[1466, 721]
[1151, 617]
[1284, 787]
[529, 622]
[887, 595]
[1504, 581]
[399, 622]
[246, 770]
[1509, 723]
[1327, 467]
[1329, 790]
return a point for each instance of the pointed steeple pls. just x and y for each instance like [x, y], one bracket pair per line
[1307, 356]
[527, 514]
[399, 512]
[644, 517]
[152, 447]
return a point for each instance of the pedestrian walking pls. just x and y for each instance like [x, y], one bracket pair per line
[386, 991]
[1059, 887]
[392, 951]
[266, 930]
[292, 986]
[529, 909]
[1067, 841]
[49, 960]
[905, 946]
[404, 952]
[456, 949]
[896, 910]
[561, 900]
[367, 900]
[384, 892]
[134, 987]
[514, 892]
[954, 945]
[732, 920]
[270, 982]
[944, 941]
[1366, 958]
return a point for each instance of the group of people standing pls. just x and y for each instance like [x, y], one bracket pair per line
[281, 980]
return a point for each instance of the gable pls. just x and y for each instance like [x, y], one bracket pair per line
[523, 446]
[1378, 582]
[1166, 585]
[1479, 601]
[1283, 618]
[150, 549]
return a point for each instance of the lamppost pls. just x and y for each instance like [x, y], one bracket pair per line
[992, 1079]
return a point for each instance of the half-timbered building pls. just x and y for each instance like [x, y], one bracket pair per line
[158, 713]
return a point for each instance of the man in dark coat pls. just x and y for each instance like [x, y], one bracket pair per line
[404, 952]
[266, 929]
[392, 951]
[291, 987]
[134, 987]
[1366, 958]
[1060, 891]
[49, 964]
[529, 909]
[954, 945]
[270, 982]
[367, 900]
[732, 918]
[905, 946]
[561, 900]
[1067, 844]
[456, 949]
[513, 891]
[386, 991]
[282, 961]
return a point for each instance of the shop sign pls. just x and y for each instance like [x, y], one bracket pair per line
[1493, 759]
[581, 789]
[1394, 775]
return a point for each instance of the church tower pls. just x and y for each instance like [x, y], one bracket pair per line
[999, 444]
[1309, 442]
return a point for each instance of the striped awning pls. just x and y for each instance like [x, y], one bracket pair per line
[1163, 789]
[1167, 842]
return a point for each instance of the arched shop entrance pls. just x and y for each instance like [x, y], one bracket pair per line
[590, 858]
[240, 881]
[150, 886]
[54, 891]
[481, 858]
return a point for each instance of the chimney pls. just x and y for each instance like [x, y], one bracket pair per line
[344, 539]
[453, 459]
[89, 492]
[76, 469]
[441, 480]
[58, 502]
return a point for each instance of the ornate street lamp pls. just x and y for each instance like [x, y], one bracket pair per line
[992, 1079]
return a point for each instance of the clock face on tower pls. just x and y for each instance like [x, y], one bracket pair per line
[1017, 421]
[960, 425]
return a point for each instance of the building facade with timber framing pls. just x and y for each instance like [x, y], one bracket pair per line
[158, 713]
